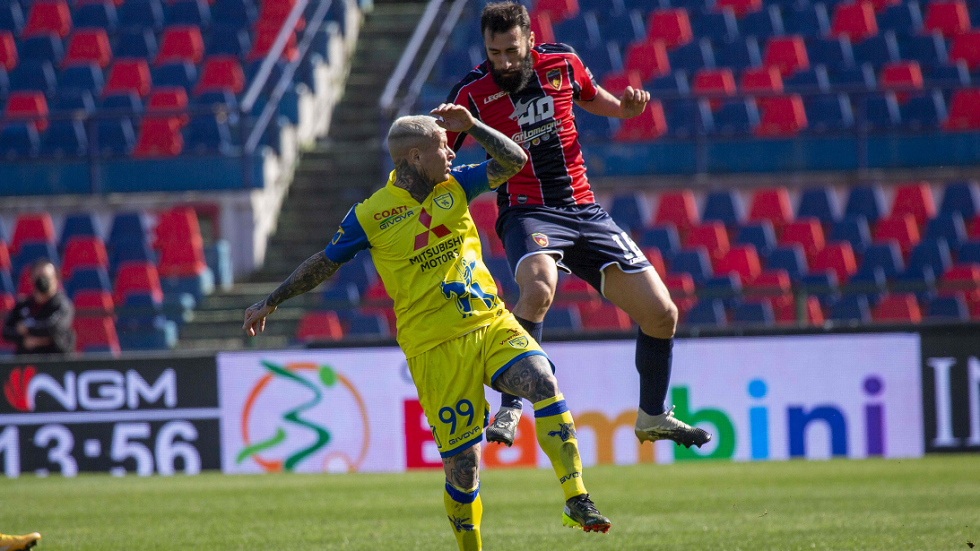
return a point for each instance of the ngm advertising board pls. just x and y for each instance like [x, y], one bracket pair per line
[762, 398]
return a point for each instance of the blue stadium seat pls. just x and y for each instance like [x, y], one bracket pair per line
[146, 333]
[47, 47]
[805, 19]
[65, 137]
[34, 75]
[790, 258]
[11, 17]
[664, 238]
[688, 118]
[357, 272]
[829, 113]
[724, 206]
[736, 117]
[928, 50]
[880, 111]
[694, 262]
[692, 56]
[596, 57]
[367, 325]
[948, 227]
[340, 296]
[175, 74]
[923, 112]
[715, 25]
[563, 318]
[19, 140]
[226, 99]
[630, 211]
[961, 197]
[116, 136]
[578, 31]
[674, 83]
[759, 234]
[754, 312]
[30, 252]
[7, 284]
[126, 226]
[236, 13]
[86, 77]
[625, 27]
[929, 259]
[762, 24]
[101, 15]
[453, 64]
[822, 285]
[78, 224]
[141, 14]
[707, 312]
[886, 256]
[593, 127]
[905, 19]
[727, 288]
[870, 284]
[737, 54]
[814, 79]
[819, 203]
[866, 201]
[88, 279]
[135, 42]
[969, 252]
[834, 53]
[128, 103]
[853, 78]
[851, 308]
[129, 248]
[946, 75]
[876, 50]
[188, 12]
[227, 40]
[853, 230]
[207, 134]
[948, 308]
[501, 272]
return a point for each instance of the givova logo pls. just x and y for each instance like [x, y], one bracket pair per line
[286, 415]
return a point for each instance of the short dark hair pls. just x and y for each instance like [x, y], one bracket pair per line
[40, 263]
[500, 17]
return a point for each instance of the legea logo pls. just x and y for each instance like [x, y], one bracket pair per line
[299, 396]
[94, 390]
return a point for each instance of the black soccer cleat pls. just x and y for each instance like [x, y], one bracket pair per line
[667, 427]
[503, 430]
[580, 512]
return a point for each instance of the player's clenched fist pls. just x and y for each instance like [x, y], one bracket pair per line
[455, 118]
[633, 102]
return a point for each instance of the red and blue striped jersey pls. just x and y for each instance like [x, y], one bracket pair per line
[540, 119]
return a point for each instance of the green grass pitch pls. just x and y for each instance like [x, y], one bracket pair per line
[929, 504]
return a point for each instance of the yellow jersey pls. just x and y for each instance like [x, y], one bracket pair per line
[428, 255]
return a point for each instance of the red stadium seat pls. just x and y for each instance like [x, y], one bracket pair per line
[762, 79]
[772, 283]
[882, 5]
[169, 100]
[606, 318]
[575, 290]
[902, 75]
[742, 260]
[973, 303]
[181, 259]
[180, 43]
[615, 83]
[656, 260]
[83, 252]
[973, 228]
[671, 26]
[128, 75]
[680, 286]
[96, 334]
[966, 48]
[93, 302]
[32, 226]
[542, 28]
[7, 302]
[4, 256]
[275, 12]
[898, 307]
[915, 199]
[29, 106]
[771, 204]
[740, 7]
[855, 21]
[961, 277]
[8, 51]
[948, 17]
[900, 227]
[48, 17]
[177, 224]
[782, 116]
[712, 236]
[835, 257]
[788, 54]
[714, 82]
[677, 208]
[806, 232]
[137, 278]
[159, 137]
[88, 46]
[648, 125]
[221, 72]
[557, 10]
[264, 37]
[319, 326]
[964, 109]
[376, 296]
[785, 310]
[648, 58]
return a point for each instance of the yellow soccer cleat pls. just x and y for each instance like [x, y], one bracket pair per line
[18, 543]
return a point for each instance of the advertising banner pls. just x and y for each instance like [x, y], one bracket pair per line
[951, 391]
[133, 415]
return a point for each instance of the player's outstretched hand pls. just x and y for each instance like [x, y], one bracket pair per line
[255, 318]
[455, 118]
[633, 102]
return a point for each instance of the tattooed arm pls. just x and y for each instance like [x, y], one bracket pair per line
[315, 270]
[507, 158]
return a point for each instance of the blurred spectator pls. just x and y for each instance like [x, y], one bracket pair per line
[42, 322]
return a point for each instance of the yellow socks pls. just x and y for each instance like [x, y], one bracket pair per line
[464, 509]
[556, 436]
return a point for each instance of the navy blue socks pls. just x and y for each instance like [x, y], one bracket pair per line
[534, 329]
[653, 358]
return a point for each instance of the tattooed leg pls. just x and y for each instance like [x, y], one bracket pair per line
[529, 378]
[462, 497]
[463, 469]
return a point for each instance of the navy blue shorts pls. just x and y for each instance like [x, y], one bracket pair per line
[584, 240]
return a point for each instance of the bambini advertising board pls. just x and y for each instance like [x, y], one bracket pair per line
[763, 398]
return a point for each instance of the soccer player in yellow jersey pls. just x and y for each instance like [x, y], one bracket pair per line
[451, 324]
[18, 543]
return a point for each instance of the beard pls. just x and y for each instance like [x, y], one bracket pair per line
[516, 79]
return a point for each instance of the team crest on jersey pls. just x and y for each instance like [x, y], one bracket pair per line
[445, 201]
[540, 238]
[518, 342]
[554, 78]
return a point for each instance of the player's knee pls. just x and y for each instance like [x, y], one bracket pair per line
[545, 387]
[660, 322]
[538, 295]
[463, 469]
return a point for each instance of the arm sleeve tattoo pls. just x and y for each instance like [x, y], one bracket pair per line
[312, 272]
[508, 158]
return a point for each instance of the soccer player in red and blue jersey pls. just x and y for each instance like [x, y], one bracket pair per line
[548, 219]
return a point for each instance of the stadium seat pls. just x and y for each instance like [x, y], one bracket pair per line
[786, 309]
[782, 116]
[772, 204]
[180, 44]
[88, 279]
[195, 13]
[723, 206]
[541, 26]
[961, 277]
[762, 24]
[855, 21]
[134, 277]
[688, 118]
[4, 255]
[736, 117]
[763, 80]
[770, 283]
[966, 48]
[739, 7]
[904, 18]
[86, 77]
[44, 47]
[364, 325]
[709, 312]
[263, 39]
[692, 56]
[48, 17]
[630, 211]
[915, 199]
[221, 73]
[169, 101]
[964, 109]
[677, 208]
[19, 140]
[884, 256]
[714, 83]
[814, 79]
[8, 50]
[948, 17]
[96, 15]
[947, 76]
[96, 334]
[901, 228]
[240, 13]
[671, 26]
[128, 226]
[851, 308]
[898, 307]
[790, 258]
[695, 262]
[207, 134]
[788, 54]
[664, 237]
[754, 313]
[573, 290]
[606, 317]
[136, 43]
[712, 236]
[923, 112]
[819, 203]
[717, 25]
[758, 234]
[807, 19]
[727, 288]
[159, 137]
[616, 82]
[834, 53]
[837, 258]
[741, 260]
[319, 326]
[927, 52]
[341, 296]
[865, 201]
[929, 261]
[648, 125]
[143, 14]
[563, 318]
[829, 113]
[948, 227]
[79, 225]
[128, 75]
[962, 198]
[83, 253]
[228, 39]
[951, 307]
[853, 231]
[648, 59]
[876, 51]
[11, 17]
[31, 227]
[28, 106]
[88, 46]
[738, 54]
[861, 77]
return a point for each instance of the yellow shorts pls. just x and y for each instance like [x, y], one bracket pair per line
[450, 379]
